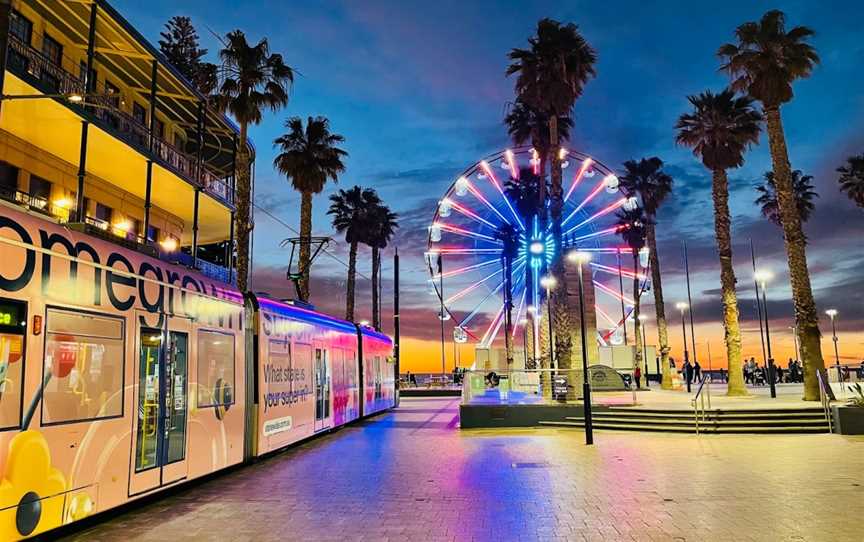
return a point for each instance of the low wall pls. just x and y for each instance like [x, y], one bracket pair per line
[484, 416]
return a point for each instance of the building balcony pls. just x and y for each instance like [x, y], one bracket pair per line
[49, 77]
[106, 231]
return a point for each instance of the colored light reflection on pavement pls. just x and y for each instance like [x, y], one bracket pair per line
[413, 475]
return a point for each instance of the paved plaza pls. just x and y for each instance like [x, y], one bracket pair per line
[413, 475]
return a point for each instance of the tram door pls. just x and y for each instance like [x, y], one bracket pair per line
[161, 398]
[322, 389]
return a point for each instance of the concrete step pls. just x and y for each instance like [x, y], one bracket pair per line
[741, 412]
[618, 420]
[714, 415]
[787, 429]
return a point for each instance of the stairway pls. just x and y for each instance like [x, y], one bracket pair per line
[797, 420]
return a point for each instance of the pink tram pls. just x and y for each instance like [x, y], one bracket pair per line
[121, 375]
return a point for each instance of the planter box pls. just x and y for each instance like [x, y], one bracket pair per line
[848, 420]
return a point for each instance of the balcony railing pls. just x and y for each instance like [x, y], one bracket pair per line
[25, 59]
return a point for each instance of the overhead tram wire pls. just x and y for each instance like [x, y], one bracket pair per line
[291, 228]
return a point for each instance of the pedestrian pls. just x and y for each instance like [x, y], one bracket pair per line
[779, 374]
[688, 374]
[697, 371]
[412, 379]
[637, 375]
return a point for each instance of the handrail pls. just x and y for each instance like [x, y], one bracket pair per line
[826, 402]
[698, 403]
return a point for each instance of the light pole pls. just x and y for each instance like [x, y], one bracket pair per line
[642, 319]
[758, 303]
[524, 323]
[681, 306]
[583, 258]
[548, 282]
[762, 277]
[833, 314]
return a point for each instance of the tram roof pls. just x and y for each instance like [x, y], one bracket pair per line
[304, 315]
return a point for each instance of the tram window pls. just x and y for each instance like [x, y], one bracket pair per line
[215, 369]
[13, 322]
[84, 355]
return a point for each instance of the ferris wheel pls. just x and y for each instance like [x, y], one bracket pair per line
[482, 215]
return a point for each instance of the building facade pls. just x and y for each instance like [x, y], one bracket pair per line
[99, 132]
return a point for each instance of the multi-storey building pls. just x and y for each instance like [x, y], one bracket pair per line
[99, 131]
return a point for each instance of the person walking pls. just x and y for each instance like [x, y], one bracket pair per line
[637, 375]
[697, 371]
[688, 374]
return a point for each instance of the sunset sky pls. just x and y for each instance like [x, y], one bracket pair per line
[419, 92]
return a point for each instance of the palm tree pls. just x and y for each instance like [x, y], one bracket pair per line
[253, 79]
[309, 158]
[528, 125]
[852, 179]
[632, 227]
[764, 63]
[381, 227]
[350, 211]
[719, 129]
[551, 76]
[647, 180]
[804, 196]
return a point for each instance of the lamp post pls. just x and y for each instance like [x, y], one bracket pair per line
[762, 277]
[642, 319]
[833, 314]
[548, 282]
[524, 323]
[681, 306]
[582, 258]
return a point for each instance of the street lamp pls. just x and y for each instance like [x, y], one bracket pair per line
[833, 314]
[581, 258]
[762, 277]
[548, 282]
[524, 323]
[681, 306]
[642, 320]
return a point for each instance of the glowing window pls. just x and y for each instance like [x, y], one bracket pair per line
[215, 369]
[83, 369]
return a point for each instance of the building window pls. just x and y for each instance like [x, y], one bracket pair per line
[139, 113]
[40, 192]
[103, 217]
[8, 179]
[215, 369]
[83, 373]
[82, 75]
[114, 94]
[52, 50]
[152, 233]
[20, 27]
[13, 322]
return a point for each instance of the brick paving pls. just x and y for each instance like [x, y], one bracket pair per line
[413, 475]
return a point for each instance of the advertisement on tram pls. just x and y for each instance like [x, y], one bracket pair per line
[307, 373]
[120, 374]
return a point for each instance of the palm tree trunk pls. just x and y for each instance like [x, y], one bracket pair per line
[659, 307]
[243, 216]
[349, 290]
[637, 326]
[722, 230]
[305, 246]
[806, 316]
[376, 320]
[560, 313]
